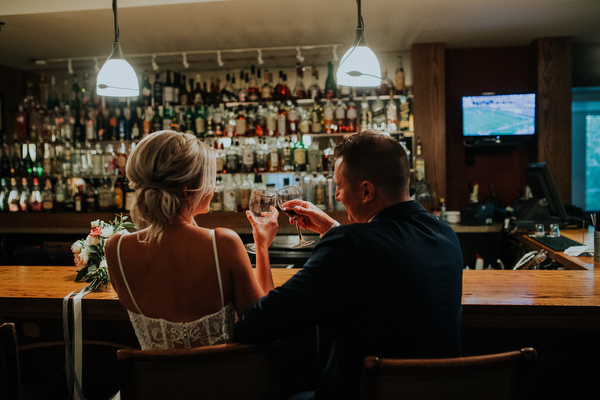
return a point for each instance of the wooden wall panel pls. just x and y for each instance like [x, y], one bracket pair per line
[554, 81]
[429, 87]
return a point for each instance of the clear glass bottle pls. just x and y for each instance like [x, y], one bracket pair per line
[314, 90]
[300, 161]
[14, 196]
[48, 197]
[400, 83]
[216, 204]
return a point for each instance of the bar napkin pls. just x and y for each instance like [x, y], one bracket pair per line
[576, 251]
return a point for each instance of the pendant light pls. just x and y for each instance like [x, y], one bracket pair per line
[359, 66]
[117, 78]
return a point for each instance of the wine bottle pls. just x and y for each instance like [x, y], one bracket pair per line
[330, 85]
[253, 90]
[157, 91]
[299, 91]
[168, 90]
[400, 83]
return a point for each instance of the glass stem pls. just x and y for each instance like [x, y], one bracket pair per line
[299, 232]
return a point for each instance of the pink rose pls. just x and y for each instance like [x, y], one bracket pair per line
[96, 231]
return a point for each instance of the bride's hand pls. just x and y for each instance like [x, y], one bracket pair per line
[264, 229]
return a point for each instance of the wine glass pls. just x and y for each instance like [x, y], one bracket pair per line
[283, 196]
[259, 204]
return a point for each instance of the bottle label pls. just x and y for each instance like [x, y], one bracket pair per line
[300, 156]
[240, 127]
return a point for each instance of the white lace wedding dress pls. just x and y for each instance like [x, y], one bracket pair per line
[158, 333]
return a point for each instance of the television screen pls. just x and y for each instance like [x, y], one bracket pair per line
[497, 118]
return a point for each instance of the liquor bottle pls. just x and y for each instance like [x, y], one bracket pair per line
[14, 196]
[184, 92]
[287, 158]
[113, 130]
[392, 113]
[261, 121]
[27, 161]
[35, 199]
[60, 195]
[200, 121]
[330, 85]
[273, 156]
[365, 114]
[261, 156]
[299, 91]
[176, 87]
[293, 120]
[48, 197]
[316, 116]
[386, 85]
[405, 114]
[241, 90]
[122, 158]
[97, 160]
[400, 83]
[146, 92]
[25, 194]
[327, 160]
[157, 119]
[79, 199]
[232, 159]
[90, 124]
[168, 90]
[282, 120]
[314, 155]
[305, 121]
[216, 203]
[419, 162]
[21, 124]
[16, 164]
[4, 192]
[314, 90]
[229, 129]
[157, 91]
[197, 95]
[378, 112]
[229, 195]
[340, 116]
[278, 89]
[250, 122]
[189, 120]
[119, 194]
[91, 197]
[217, 121]
[271, 121]
[351, 116]
[167, 118]
[86, 91]
[240, 122]
[253, 89]
[4, 161]
[320, 187]
[245, 189]
[104, 197]
[300, 154]
[38, 163]
[101, 123]
[221, 160]
[248, 157]
[286, 93]
[129, 197]
[75, 93]
[266, 92]
[328, 114]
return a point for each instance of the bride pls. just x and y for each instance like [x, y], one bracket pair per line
[180, 283]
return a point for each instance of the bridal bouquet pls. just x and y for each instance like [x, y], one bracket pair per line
[89, 252]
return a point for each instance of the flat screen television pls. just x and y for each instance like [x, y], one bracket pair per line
[498, 118]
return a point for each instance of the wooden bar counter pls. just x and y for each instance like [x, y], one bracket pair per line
[562, 299]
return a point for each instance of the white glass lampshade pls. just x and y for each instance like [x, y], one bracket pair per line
[117, 79]
[359, 67]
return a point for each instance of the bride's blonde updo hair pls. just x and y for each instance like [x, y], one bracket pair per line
[169, 171]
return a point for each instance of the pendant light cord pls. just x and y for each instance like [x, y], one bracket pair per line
[114, 7]
[360, 19]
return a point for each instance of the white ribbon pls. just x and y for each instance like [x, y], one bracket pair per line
[74, 351]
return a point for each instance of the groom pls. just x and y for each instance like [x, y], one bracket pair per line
[389, 284]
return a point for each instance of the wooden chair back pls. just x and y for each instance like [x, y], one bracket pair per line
[501, 376]
[224, 372]
[9, 363]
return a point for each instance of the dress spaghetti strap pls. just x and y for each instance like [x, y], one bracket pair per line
[123, 274]
[214, 242]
